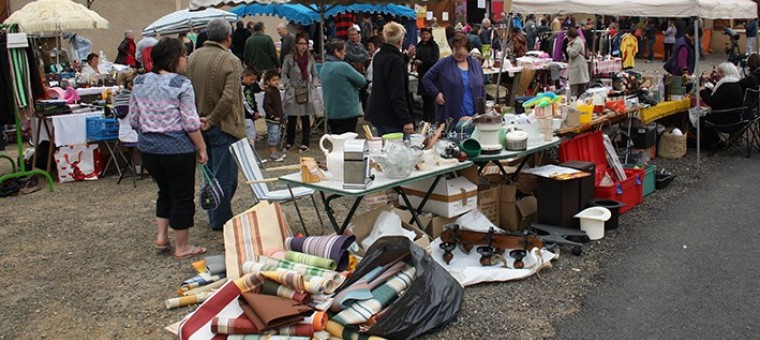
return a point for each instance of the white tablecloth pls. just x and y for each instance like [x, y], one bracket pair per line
[68, 129]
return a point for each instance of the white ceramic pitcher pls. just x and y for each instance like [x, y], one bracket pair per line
[335, 157]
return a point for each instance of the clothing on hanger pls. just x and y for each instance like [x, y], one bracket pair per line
[629, 46]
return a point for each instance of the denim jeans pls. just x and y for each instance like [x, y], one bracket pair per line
[224, 168]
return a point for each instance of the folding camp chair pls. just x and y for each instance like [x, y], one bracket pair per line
[732, 135]
[250, 165]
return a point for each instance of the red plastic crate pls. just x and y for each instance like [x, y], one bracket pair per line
[589, 147]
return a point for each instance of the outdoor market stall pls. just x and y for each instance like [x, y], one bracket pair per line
[708, 9]
[186, 20]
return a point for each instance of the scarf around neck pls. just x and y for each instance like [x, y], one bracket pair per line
[726, 79]
[303, 64]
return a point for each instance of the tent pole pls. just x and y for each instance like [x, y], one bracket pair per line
[501, 63]
[698, 108]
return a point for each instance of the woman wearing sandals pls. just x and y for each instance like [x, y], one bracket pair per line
[162, 110]
[299, 76]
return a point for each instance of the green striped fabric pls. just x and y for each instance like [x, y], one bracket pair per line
[311, 260]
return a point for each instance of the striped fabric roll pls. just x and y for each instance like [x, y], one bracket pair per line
[199, 280]
[318, 320]
[227, 325]
[290, 279]
[266, 337]
[320, 285]
[186, 300]
[301, 268]
[297, 330]
[339, 331]
[313, 284]
[311, 260]
[250, 283]
[361, 311]
[276, 289]
[332, 247]
[207, 288]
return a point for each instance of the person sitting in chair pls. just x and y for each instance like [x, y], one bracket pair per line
[725, 94]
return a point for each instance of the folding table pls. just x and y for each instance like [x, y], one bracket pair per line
[483, 160]
[380, 183]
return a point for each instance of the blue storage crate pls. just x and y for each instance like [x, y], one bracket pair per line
[100, 129]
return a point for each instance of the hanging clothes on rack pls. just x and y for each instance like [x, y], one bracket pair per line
[629, 47]
[560, 44]
[6, 85]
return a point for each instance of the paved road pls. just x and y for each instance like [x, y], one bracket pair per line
[695, 275]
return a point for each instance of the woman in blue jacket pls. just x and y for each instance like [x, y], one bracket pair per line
[456, 82]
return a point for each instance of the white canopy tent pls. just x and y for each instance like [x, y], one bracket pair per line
[708, 9]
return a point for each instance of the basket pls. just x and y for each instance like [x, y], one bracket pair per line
[672, 146]
[100, 129]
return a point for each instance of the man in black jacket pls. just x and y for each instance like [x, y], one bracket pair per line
[239, 37]
[389, 108]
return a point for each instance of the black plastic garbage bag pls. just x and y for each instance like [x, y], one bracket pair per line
[430, 303]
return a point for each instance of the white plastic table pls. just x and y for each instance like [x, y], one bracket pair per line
[380, 183]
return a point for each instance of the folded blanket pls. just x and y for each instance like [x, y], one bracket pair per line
[332, 247]
[270, 312]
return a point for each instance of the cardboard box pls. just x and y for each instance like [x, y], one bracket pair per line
[488, 202]
[381, 199]
[362, 225]
[433, 224]
[516, 214]
[450, 198]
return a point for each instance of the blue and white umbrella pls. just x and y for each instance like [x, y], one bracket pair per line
[185, 20]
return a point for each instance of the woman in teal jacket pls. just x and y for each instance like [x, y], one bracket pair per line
[340, 86]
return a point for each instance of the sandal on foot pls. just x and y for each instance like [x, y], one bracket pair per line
[193, 251]
[161, 247]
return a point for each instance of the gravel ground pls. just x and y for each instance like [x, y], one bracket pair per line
[79, 263]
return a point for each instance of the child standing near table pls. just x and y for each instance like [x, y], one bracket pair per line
[274, 114]
[250, 88]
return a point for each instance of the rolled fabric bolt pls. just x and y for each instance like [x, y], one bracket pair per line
[290, 279]
[199, 280]
[311, 260]
[337, 330]
[265, 337]
[321, 335]
[316, 284]
[301, 268]
[275, 253]
[203, 289]
[186, 300]
[318, 320]
[273, 288]
[320, 285]
[297, 330]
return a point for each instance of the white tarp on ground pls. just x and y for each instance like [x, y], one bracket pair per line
[708, 9]
[466, 268]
